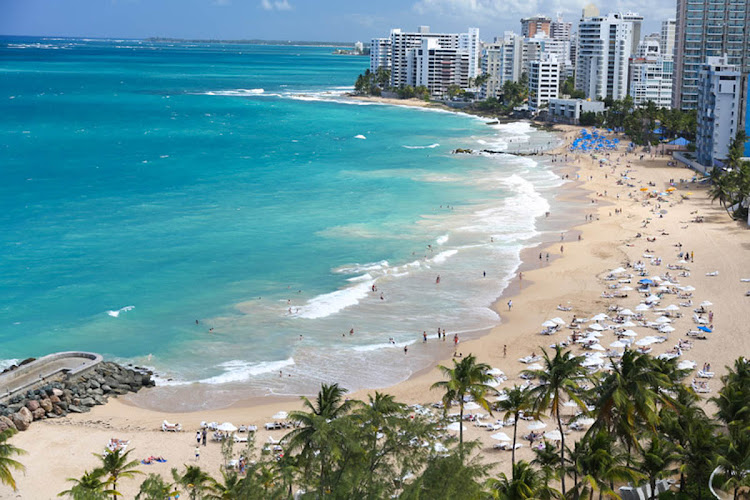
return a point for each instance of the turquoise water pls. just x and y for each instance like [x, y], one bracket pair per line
[146, 186]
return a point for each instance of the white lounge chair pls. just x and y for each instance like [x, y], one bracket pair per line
[167, 427]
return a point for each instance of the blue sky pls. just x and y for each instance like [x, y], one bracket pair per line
[321, 20]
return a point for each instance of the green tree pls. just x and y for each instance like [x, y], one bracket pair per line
[525, 483]
[154, 487]
[657, 460]
[89, 487]
[448, 477]
[517, 400]
[7, 463]
[734, 459]
[467, 378]
[116, 465]
[230, 488]
[194, 479]
[604, 465]
[560, 377]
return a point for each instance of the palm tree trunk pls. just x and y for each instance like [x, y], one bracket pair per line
[461, 429]
[513, 450]
[562, 450]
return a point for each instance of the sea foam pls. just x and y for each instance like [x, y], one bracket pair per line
[116, 314]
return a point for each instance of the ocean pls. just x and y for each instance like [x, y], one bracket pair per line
[221, 213]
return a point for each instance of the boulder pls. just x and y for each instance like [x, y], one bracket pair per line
[76, 409]
[46, 404]
[57, 410]
[54, 399]
[94, 384]
[7, 423]
[38, 413]
[89, 401]
[106, 388]
[23, 418]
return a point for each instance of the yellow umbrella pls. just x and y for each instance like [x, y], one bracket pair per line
[670, 189]
[690, 194]
[644, 189]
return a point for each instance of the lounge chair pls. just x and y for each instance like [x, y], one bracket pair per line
[240, 439]
[167, 427]
[704, 374]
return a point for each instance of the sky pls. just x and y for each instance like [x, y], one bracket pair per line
[309, 20]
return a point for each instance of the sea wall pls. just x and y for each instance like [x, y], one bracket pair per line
[74, 392]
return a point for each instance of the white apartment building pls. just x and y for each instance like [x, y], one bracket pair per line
[636, 20]
[648, 48]
[560, 29]
[719, 111]
[437, 68]
[569, 110]
[469, 42]
[380, 54]
[502, 62]
[651, 80]
[666, 44]
[544, 81]
[604, 47]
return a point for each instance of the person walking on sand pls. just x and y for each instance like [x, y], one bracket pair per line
[505, 350]
[406, 349]
[510, 304]
[437, 280]
[198, 437]
[197, 453]
[203, 436]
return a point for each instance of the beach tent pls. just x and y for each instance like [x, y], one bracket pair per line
[666, 329]
[597, 347]
[618, 344]
[686, 365]
[680, 141]
[663, 320]
[628, 324]
[549, 324]
[600, 317]
[629, 333]
[642, 307]
[227, 427]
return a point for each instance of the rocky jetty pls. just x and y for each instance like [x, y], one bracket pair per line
[75, 394]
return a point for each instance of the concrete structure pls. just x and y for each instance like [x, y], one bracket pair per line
[502, 62]
[707, 28]
[559, 29]
[380, 54]
[569, 110]
[747, 124]
[666, 41]
[44, 370]
[544, 81]
[469, 43]
[720, 89]
[636, 21]
[438, 68]
[651, 80]
[530, 26]
[359, 47]
[604, 47]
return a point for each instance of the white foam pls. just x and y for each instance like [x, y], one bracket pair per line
[116, 313]
[364, 277]
[431, 146]
[377, 347]
[331, 303]
[443, 256]
[240, 371]
[360, 136]
[442, 239]
[7, 363]
[362, 268]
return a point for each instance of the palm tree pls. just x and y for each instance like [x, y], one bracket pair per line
[230, 488]
[559, 377]
[526, 483]
[466, 378]
[735, 460]
[89, 487]
[7, 450]
[517, 400]
[154, 487]
[657, 460]
[315, 435]
[116, 465]
[194, 478]
[603, 465]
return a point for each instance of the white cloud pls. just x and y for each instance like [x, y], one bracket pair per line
[276, 5]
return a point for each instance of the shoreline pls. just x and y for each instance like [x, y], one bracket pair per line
[572, 277]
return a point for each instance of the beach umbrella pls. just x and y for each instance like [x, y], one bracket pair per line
[226, 427]
[706, 303]
[642, 307]
[282, 415]
[628, 324]
[440, 448]
[471, 405]
[628, 333]
[600, 317]
[597, 347]
[618, 344]
[553, 435]
[652, 298]
[549, 324]
[596, 326]
[688, 288]
[618, 270]
[534, 366]
[536, 425]
[666, 329]
[705, 329]
[627, 312]
[646, 281]
[497, 372]
[670, 189]
[686, 365]
[646, 341]
[657, 278]
[455, 426]
[586, 421]
[663, 320]
[672, 307]
[500, 436]
[595, 360]
[558, 321]
[570, 404]
[502, 397]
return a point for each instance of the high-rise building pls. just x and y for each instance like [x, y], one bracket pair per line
[651, 80]
[538, 45]
[707, 28]
[438, 68]
[380, 53]
[559, 29]
[648, 48]
[501, 62]
[469, 42]
[530, 26]
[720, 89]
[636, 20]
[666, 43]
[544, 81]
[604, 47]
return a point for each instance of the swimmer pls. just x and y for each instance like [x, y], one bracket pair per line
[437, 280]
[406, 349]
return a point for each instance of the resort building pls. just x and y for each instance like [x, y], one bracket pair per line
[540, 44]
[380, 54]
[720, 89]
[559, 29]
[635, 20]
[666, 42]
[707, 28]
[530, 26]
[604, 48]
[544, 81]
[651, 80]
[438, 68]
[569, 110]
[501, 61]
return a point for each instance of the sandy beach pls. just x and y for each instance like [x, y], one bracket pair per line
[573, 277]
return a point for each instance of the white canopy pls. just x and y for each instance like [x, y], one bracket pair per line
[627, 312]
[535, 366]
[553, 435]
[549, 324]
[706, 303]
[686, 365]
[597, 347]
[663, 320]
[652, 299]
[628, 324]
[596, 326]
[500, 436]
[455, 426]
[672, 307]
[558, 320]
[618, 344]
[629, 333]
[536, 425]
[688, 288]
[642, 307]
[646, 341]
[600, 317]
[497, 372]
[471, 405]
[666, 329]
[226, 427]
[586, 421]
[618, 270]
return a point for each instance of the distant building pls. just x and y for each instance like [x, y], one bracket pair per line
[636, 20]
[359, 47]
[559, 29]
[651, 80]
[438, 68]
[569, 110]
[530, 26]
[469, 43]
[604, 48]
[707, 28]
[380, 54]
[501, 61]
[747, 123]
[666, 42]
[544, 81]
[720, 89]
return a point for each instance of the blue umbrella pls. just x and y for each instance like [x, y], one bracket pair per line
[646, 281]
[705, 329]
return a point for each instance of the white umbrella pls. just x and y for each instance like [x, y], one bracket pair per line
[627, 312]
[688, 288]
[645, 341]
[558, 320]
[587, 421]
[686, 365]
[642, 307]
[656, 278]
[455, 426]
[227, 427]
[282, 415]
[618, 270]
[570, 404]
[626, 288]
[502, 397]
[618, 344]
[471, 405]
[497, 372]
[666, 329]
[549, 324]
[596, 326]
[628, 324]
[629, 333]
[534, 366]
[500, 436]
[706, 303]
[536, 425]
[597, 347]
[672, 307]
[663, 320]
[600, 317]
[553, 435]
[663, 288]
[593, 361]
[652, 299]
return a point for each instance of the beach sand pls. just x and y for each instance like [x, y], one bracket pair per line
[64, 448]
